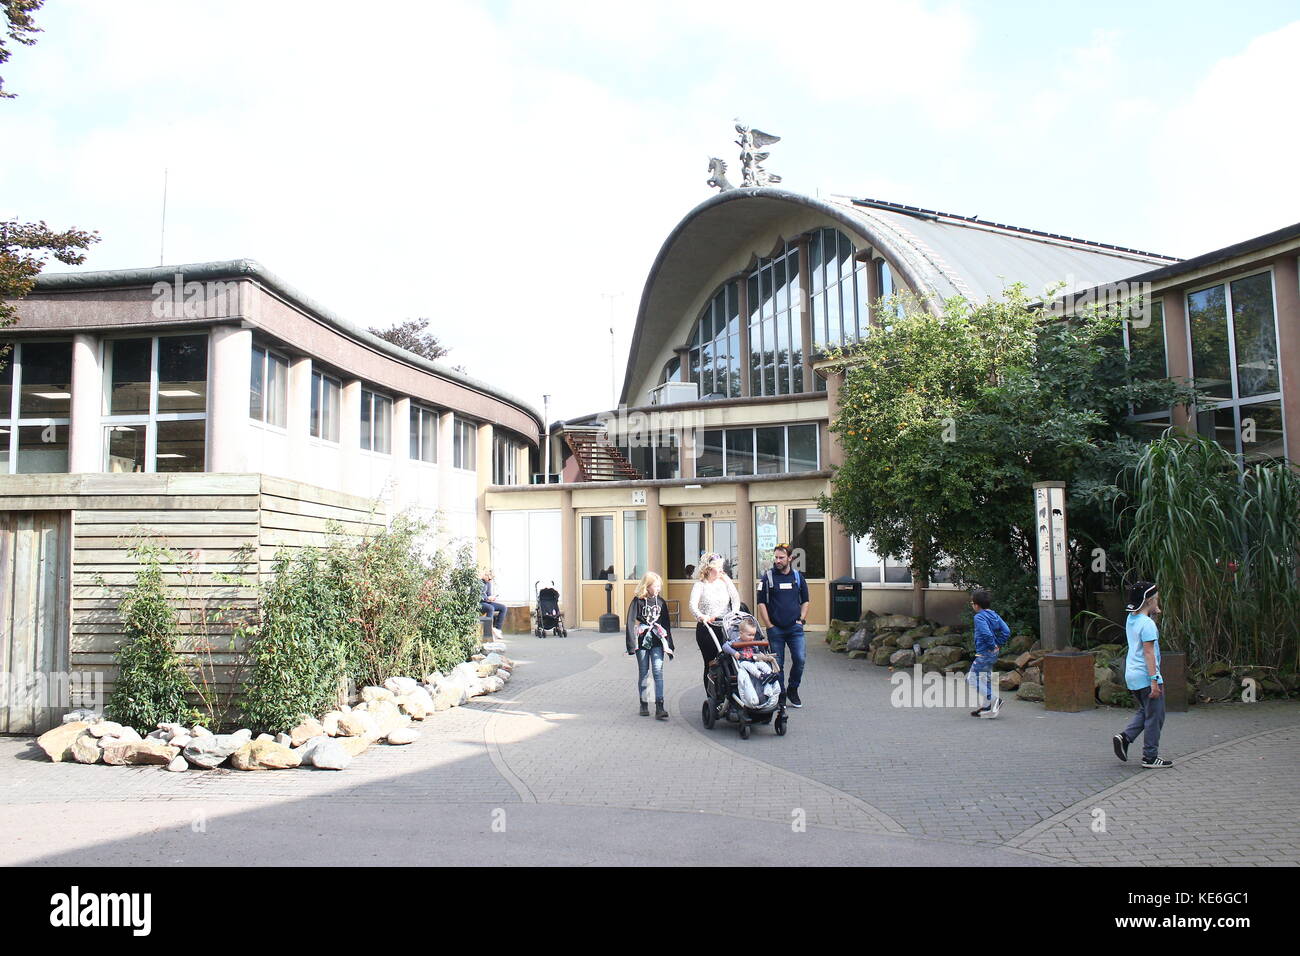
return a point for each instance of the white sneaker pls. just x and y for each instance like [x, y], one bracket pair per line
[994, 709]
[496, 632]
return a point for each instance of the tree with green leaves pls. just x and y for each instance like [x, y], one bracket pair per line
[950, 415]
[25, 247]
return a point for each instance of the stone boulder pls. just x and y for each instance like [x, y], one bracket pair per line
[1033, 675]
[57, 743]
[354, 746]
[211, 751]
[1100, 675]
[357, 723]
[404, 735]
[1030, 690]
[106, 728]
[858, 655]
[940, 656]
[1006, 662]
[82, 716]
[880, 657]
[331, 754]
[902, 622]
[858, 642]
[135, 753]
[86, 749]
[1220, 689]
[1019, 644]
[1010, 680]
[376, 693]
[1113, 694]
[305, 731]
[957, 667]
[264, 755]
[400, 685]
[937, 640]
[903, 658]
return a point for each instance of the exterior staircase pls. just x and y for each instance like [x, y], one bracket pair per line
[598, 460]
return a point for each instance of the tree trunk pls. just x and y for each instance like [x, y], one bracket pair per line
[918, 595]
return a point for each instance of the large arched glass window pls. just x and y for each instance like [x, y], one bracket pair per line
[775, 342]
[839, 290]
[715, 345]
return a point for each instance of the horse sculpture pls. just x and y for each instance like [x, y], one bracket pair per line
[718, 175]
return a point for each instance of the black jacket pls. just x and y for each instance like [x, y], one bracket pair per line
[641, 611]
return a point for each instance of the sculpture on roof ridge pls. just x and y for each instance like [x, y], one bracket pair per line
[751, 141]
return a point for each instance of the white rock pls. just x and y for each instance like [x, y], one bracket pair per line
[330, 754]
[158, 735]
[284, 740]
[179, 765]
[243, 732]
[105, 728]
[330, 722]
[404, 735]
[127, 735]
[377, 693]
[200, 731]
[181, 740]
[400, 685]
[266, 737]
[308, 748]
[89, 716]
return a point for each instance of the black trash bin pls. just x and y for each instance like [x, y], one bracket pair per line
[846, 599]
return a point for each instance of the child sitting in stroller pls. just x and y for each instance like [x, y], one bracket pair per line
[758, 680]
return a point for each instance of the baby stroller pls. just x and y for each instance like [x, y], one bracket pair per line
[548, 616]
[756, 696]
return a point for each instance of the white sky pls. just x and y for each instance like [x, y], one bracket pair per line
[511, 169]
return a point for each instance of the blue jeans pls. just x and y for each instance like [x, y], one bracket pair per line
[1150, 717]
[792, 637]
[645, 660]
[980, 675]
[498, 612]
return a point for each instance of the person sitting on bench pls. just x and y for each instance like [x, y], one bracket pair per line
[492, 607]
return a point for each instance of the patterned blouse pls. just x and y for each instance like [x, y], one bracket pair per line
[715, 598]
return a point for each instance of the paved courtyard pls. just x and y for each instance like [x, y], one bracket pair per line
[559, 768]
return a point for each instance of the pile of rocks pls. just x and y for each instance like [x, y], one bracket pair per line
[382, 714]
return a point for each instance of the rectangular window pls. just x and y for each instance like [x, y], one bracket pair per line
[424, 434]
[685, 545]
[709, 462]
[376, 422]
[1146, 349]
[1254, 334]
[1261, 431]
[35, 404]
[740, 451]
[803, 454]
[268, 388]
[808, 534]
[867, 565]
[182, 374]
[1207, 314]
[464, 446]
[130, 376]
[326, 405]
[667, 458]
[157, 402]
[725, 544]
[597, 547]
[634, 545]
[771, 450]
[505, 455]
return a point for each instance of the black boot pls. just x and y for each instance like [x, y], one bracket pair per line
[645, 709]
[660, 713]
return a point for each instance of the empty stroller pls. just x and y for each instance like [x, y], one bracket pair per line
[548, 616]
[743, 691]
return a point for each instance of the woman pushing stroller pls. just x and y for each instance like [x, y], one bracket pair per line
[713, 597]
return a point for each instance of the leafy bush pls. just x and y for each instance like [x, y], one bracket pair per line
[357, 614]
[153, 684]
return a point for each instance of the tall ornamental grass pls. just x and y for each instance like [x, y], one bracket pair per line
[1222, 543]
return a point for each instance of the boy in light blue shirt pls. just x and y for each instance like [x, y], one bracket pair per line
[1142, 675]
[991, 632]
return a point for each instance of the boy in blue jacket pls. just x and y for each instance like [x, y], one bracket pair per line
[991, 632]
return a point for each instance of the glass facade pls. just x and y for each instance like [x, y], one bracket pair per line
[685, 545]
[35, 405]
[464, 444]
[1233, 330]
[762, 450]
[839, 290]
[634, 545]
[505, 458]
[597, 547]
[775, 295]
[716, 362]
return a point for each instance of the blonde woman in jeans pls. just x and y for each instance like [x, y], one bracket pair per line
[712, 597]
[649, 636]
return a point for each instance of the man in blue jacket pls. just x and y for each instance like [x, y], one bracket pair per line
[783, 610]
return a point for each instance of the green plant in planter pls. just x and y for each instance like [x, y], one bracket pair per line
[152, 684]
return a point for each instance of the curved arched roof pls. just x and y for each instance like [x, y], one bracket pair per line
[933, 253]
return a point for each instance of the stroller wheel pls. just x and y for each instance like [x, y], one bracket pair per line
[779, 726]
[707, 714]
[744, 729]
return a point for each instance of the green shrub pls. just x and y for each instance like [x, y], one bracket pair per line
[153, 684]
[357, 614]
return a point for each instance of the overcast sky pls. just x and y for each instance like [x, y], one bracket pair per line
[511, 169]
